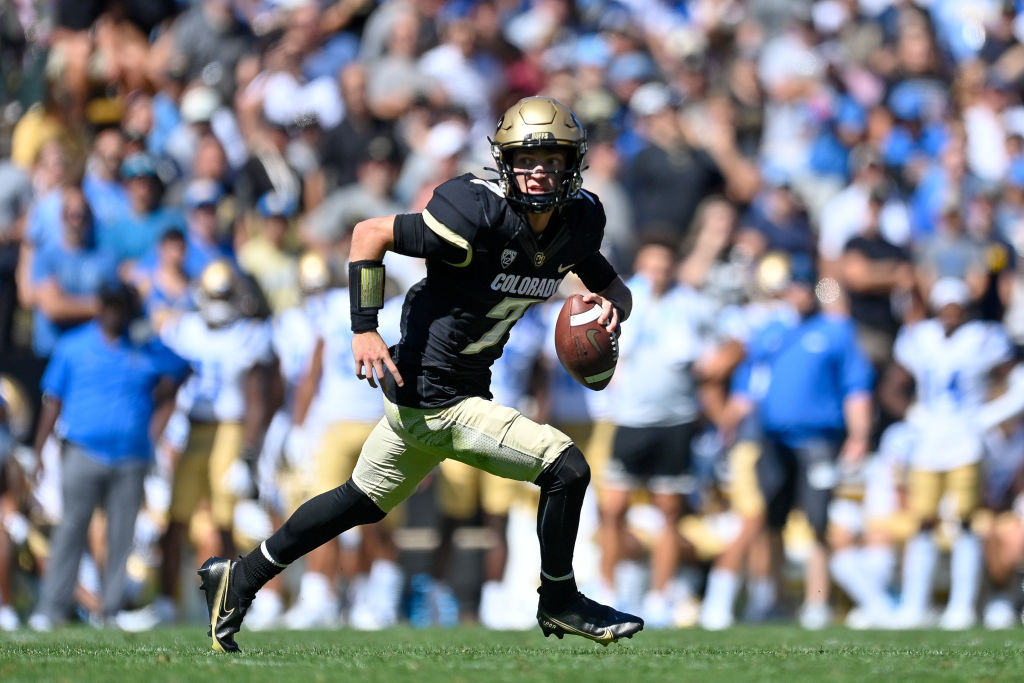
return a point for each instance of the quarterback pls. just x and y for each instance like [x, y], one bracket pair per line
[493, 248]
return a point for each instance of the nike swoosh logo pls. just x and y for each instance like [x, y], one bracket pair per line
[221, 602]
[605, 637]
[562, 269]
[592, 338]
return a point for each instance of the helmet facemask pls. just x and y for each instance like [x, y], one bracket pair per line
[539, 122]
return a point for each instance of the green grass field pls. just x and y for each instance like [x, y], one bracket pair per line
[765, 653]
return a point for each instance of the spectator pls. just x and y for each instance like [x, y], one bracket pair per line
[135, 235]
[844, 216]
[809, 417]
[602, 176]
[371, 194]
[110, 392]
[669, 176]
[204, 235]
[952, 253]
[777, 220]
[163, 285]
[266, 255]
[344, 144]
[15, 197]
[267, 168]
[208, 39]
[656, 422]
[102, 183]
[67, 276]
[879, 277]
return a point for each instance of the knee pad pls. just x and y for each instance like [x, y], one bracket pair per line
[568, 472]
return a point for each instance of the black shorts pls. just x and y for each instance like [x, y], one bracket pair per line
[655, 458]
[801, 476]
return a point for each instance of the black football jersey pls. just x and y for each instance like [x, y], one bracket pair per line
[485, 268]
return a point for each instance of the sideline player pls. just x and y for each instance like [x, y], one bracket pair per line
[493, 249]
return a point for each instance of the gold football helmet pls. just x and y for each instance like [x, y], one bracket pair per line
[314, 273]
[217, 294]
[539, 122]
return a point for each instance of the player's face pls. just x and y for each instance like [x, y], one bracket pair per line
[951, 316]
[538, 171]
[656, 263]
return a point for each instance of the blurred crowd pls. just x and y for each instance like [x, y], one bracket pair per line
[818, 205]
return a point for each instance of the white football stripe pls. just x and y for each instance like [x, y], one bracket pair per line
[599, 376]
[586, 317]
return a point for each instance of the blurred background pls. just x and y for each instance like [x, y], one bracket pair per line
[842, 179]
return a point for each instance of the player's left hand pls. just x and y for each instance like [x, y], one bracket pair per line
[238, 480]
[854, 449]
[609, 313]
[372, 356]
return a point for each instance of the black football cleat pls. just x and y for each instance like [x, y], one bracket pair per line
[588, 619]
[225, 607]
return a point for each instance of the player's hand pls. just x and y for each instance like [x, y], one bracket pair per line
[40, 469]
[609, 313]
[297, 447]
[854, 449]
[372, 356]
[238, 480]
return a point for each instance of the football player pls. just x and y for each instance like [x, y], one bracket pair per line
[224, 401]
[952, 363]
[656, 420]
[493, 249]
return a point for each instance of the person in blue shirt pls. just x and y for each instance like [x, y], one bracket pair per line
[805, 386]
[111, 392]
[66, 276]
[102, 182]
[204, 240]
[136, 233]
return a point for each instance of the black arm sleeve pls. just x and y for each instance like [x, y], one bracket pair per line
[414, 238]
[596, 272]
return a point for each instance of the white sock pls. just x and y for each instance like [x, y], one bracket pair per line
[721, 590]
[631, 580]
[315, 588]
[878, 562]
[919, 560]
[965, 572]
[761, 594]
[847, 567]
[385, 582]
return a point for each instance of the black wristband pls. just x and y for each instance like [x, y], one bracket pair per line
[366, 293]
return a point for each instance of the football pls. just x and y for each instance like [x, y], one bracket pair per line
[585, 348]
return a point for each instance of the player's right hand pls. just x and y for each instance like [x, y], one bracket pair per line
[372, 356]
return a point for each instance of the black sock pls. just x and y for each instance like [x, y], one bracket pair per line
[563, 485]
[316, 522]
[556, 595]
[321, 519]
[253, 571]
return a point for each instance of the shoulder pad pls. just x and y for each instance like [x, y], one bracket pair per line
[464, 204]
